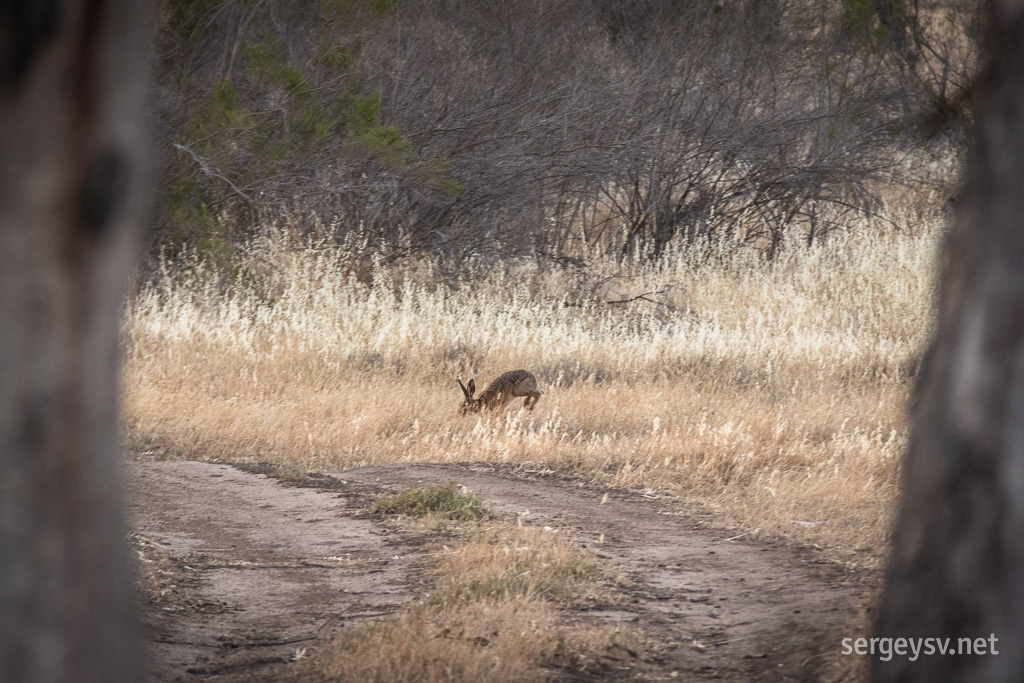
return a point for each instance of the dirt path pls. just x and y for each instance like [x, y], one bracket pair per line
[291, 563]
[276, 566]
[737, 611]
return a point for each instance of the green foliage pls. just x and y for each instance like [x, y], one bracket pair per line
[861, 19]
[220, 127]
[222, 110]
[309, 120]
[436, 171]
[858, 15]
[183, 17]
[447, 501]
[264, 57]
[290, 77]
[287, 105]
[313, 121]
[361, 114]
[389, 145]
[232, 137]
[276, 151]
[352, 9]
[267, 64]
[334, 58]
[185, 208]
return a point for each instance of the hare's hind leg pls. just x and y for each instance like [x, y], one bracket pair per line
[528, 404]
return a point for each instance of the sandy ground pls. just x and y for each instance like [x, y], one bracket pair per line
[259, 570]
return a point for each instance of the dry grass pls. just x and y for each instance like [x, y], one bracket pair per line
[447, 501]
[164, 581]
[492, 640]
[492, 615]
[520, 562]
[773, 393]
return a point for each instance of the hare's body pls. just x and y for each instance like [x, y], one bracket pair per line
[506, 387]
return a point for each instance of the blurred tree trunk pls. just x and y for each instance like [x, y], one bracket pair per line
[957, 568]
[73, 174]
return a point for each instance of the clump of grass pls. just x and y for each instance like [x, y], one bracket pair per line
[492, 640]
[493, 614]
[507, 563]
[156, 575]
[165, 581]
[290, 475]
[481, 643]
[448, 501]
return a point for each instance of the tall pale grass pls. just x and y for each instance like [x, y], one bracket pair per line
[773, 392]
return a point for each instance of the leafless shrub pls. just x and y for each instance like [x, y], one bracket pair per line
[464, 128]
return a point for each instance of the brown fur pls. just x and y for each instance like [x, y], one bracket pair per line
[512, 384]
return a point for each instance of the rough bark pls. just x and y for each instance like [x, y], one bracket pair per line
[73, 170]
[957, 568]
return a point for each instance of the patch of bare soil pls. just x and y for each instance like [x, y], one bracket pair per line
[260, 569]
[255, 571]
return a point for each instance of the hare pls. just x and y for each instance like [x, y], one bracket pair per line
[510, 385]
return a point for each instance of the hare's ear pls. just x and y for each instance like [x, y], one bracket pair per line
[463, 386]
[472, 387]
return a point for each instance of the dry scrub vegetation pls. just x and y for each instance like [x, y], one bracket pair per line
[774, 392]
[492, 613]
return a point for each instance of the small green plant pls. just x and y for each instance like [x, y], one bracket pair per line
[865, 21]
[447, 500]
[360, 114]
[222, 110]
[184, 17]
[389, 146]
[333, 57]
